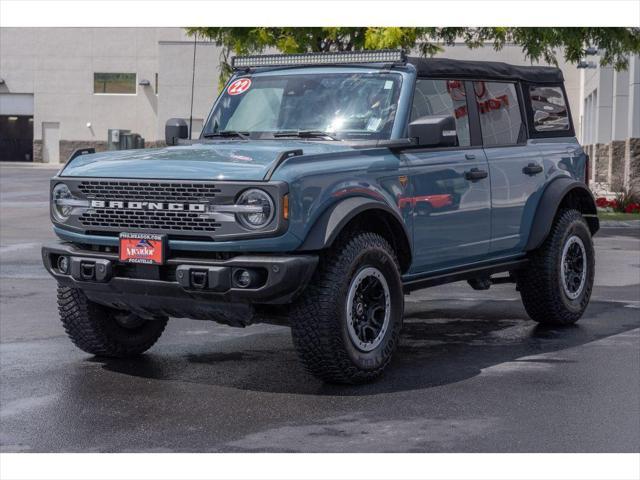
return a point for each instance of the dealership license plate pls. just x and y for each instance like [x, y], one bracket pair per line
[142, 248]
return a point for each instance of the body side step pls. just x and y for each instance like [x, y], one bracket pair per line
[466, 274]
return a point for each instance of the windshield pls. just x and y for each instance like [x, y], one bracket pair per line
[346, 105]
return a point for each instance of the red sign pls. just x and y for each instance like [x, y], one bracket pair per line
[493, 104]
[239, 86]
[142, 248]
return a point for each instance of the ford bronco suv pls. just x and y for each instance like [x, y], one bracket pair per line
[324, 188]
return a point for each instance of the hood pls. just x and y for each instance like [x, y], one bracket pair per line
[224, 160]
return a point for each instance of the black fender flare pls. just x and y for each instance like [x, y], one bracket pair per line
[337, 216]
[552, 197]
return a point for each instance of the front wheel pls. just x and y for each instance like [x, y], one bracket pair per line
[556, 285]
[347, 323]
[103, 331]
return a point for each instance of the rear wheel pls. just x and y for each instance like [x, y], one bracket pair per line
[556, 285]
[347, 323]
[103, 331]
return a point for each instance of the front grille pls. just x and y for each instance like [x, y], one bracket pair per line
[148, 219]
[150, 191]
[155, 220]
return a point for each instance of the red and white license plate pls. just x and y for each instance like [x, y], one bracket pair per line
[142, 248]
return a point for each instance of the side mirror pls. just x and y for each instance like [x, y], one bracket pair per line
[434, 131]
[174, 130]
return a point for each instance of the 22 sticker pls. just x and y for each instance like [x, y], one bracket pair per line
[239, 86]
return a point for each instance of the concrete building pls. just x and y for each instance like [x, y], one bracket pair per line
[610, 123]
[63, 88]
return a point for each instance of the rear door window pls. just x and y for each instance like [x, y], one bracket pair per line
[499, 111]
[443, 97]
[549, 109]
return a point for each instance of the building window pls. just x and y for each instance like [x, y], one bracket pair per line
[443, 97]
[500, 117]
[114, 83]
[156, 83]
[549, 109]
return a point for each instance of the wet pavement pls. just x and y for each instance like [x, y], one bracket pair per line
[472, 374]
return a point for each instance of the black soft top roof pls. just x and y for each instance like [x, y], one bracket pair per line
[445, 67]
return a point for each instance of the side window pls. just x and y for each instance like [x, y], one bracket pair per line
[122, 83]
[500, 118]
[443, 97]
[549, 109]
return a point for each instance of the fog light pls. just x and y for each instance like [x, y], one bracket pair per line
[63, 264]
[242, 278]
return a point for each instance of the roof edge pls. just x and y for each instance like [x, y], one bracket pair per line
[472, 69]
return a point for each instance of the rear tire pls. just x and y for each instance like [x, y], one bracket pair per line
[346, 325]
[102, 331]
[556, 285]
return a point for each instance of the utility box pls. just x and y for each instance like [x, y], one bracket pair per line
[113, 138]
[119, 139]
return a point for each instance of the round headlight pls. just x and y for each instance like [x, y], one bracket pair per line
[61, 212]
[261, 213]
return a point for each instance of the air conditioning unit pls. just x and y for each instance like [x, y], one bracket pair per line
[119, 139]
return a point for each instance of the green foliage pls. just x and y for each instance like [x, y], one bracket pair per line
[538, 44]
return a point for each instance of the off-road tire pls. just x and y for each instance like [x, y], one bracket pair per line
[319, 319]
[540, 282]
[94, 329]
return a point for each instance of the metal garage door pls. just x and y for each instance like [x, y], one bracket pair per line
[16, 127]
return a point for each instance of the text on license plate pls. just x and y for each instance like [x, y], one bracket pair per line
[142, 248]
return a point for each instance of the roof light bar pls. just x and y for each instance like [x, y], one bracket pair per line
[329, 58]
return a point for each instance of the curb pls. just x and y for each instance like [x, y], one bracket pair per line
[620, 223]
[56, 166]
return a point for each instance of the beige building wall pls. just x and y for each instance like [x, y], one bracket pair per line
[175, 62]
[610, 112]
[56, 65]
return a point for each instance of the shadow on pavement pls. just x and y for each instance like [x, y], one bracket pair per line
[438, 347]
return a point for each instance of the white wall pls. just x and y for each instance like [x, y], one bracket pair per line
[57, 66]
[615, 113]
[176, 66]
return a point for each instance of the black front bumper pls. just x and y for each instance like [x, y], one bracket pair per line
[188, 287]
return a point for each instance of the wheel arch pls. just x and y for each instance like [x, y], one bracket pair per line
[561, 193]
[365, 213]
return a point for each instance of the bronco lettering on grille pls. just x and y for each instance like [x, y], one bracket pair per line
[136, 205]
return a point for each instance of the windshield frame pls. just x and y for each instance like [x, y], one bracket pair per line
[398, 130]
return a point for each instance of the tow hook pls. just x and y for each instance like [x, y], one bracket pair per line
[90, 269]
[197, 277]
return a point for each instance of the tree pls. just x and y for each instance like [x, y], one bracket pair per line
[540, 43]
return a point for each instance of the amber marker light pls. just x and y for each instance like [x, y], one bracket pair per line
[285, 207]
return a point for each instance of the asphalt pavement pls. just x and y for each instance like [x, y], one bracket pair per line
[472, 373]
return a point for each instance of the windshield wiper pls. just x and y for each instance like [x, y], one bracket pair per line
[228, 133]
[304, 134]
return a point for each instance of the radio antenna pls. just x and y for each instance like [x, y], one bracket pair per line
[193, 79]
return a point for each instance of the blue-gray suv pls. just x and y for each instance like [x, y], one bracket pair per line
[322, 189]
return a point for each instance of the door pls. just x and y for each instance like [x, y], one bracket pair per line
[515, 165]
[51, 142]
[16, 138]
[450, 186]
[16, 127]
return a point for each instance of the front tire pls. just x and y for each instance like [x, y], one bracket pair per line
[103, 331]
[556, 285]
[346, 325]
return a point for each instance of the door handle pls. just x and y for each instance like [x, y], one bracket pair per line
[532, 169]
[475, 174]
[469, 156]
